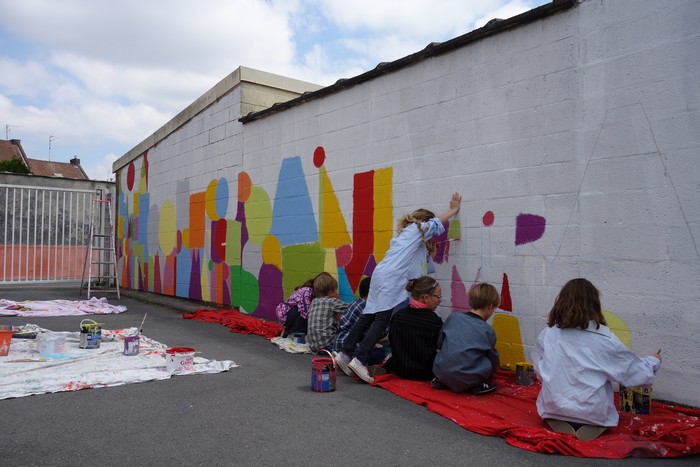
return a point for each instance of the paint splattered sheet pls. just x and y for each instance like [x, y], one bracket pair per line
[94, 306]
[25, 372]
[510, 412]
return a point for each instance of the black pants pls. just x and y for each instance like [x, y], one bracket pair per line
[373, 326]
[294, 322]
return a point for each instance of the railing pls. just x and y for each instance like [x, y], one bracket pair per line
[44, 234]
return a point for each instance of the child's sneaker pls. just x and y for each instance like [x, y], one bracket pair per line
[436, 384]
[360, 370]
[483, 388]
[343, 361]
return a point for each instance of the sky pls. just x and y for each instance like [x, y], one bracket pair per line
[93, 78]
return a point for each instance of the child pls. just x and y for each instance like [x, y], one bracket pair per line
[324, 311]
[353, 312]
[467, 357]
[407, 252]
[576, 357]
[292, 312]
[414, 331]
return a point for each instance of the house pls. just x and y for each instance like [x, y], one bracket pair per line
[12, 150]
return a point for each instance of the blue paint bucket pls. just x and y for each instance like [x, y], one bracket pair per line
[90, 334]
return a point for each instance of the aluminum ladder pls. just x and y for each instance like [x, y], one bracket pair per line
[101, 255]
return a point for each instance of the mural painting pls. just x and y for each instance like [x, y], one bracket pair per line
[252, 252]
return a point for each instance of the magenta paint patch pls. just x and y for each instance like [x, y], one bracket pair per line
[528, 228]
[343, 255]
[195, 292]
[460, 299]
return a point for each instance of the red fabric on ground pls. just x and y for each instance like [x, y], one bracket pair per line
[510, 412]
[237, 322]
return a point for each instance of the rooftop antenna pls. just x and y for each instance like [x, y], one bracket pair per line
[51, 138]
[7, 131]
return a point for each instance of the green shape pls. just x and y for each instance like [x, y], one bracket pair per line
[245, 291]
[210, 265]
[300, 263]
[454, 230]
[233, 242]
[258, 215]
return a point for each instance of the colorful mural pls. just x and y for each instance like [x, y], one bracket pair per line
[251, 250]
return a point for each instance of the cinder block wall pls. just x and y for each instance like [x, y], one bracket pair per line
[571, 139]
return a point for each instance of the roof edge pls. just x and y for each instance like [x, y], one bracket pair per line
[433, 49]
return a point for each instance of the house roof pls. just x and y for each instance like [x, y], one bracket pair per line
[10, 149]
[57, 169]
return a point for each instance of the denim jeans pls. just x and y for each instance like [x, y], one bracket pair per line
[373, 326]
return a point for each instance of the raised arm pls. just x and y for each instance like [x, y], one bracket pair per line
[455, 204]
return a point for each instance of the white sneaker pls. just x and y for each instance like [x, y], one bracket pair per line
[342, 361]
[360, 370]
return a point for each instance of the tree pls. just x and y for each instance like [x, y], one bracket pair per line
[15, 165]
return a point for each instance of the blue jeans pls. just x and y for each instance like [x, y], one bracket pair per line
[373, 326]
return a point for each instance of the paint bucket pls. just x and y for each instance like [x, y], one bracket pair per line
[524, 374]
[5, 340]
[179, 360]
[299, 337]
[50, 343]
[90, 334]
[636, 399]
[131, 343]
[323, 372]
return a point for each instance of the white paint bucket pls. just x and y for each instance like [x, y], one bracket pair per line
[179, 360]
[50, 343]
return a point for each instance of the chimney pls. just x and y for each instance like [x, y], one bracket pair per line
[75, 161]
[15, 142]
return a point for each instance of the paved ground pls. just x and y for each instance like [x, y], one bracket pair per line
[262, 413]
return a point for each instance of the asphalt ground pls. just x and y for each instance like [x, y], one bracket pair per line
[261, 413]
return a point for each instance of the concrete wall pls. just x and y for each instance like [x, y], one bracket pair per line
[571, 138]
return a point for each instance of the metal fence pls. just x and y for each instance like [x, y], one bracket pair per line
[45, 232]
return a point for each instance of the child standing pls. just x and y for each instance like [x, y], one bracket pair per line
[324, 311]
[414, 331]
[467, 357]
[576, 357]
[407, 251]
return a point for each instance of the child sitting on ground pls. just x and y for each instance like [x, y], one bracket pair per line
[576, 357]
[292, 312]
[414, 331]
[467, 357]
[324, 313]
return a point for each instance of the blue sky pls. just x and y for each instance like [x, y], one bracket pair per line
[98, 76]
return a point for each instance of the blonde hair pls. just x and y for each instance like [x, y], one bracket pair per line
[483, 295]
[416, 217]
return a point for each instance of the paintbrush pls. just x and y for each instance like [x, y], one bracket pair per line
[142, 321]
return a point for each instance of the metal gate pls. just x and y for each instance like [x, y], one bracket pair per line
[45, 232]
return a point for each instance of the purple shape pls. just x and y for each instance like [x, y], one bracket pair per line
[369, 267]
[441, 241]
[528, 228]
[195, 276]
[271, 292]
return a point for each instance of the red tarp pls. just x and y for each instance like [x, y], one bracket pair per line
[510, 412]
[237, 322]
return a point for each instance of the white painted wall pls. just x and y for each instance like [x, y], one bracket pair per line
[589, 118]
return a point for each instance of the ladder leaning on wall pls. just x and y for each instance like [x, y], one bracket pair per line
[101, 256]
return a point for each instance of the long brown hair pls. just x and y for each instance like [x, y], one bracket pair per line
[578, 303]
